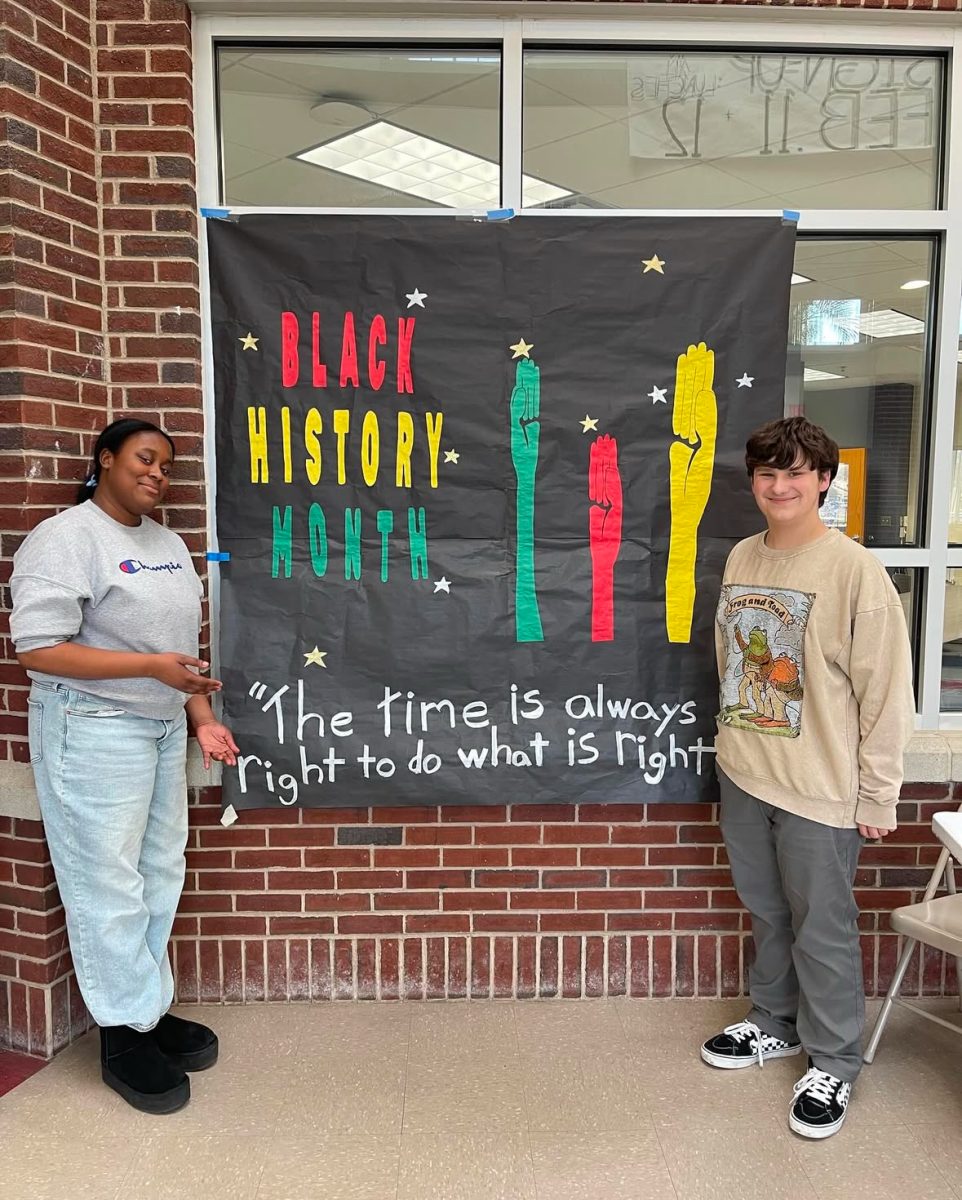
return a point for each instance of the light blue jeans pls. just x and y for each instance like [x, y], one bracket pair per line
[113, 795]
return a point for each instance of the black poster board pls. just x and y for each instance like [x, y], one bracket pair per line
[477, 482]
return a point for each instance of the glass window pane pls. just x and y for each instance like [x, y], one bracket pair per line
[723, 129]
[952, 643]
[381, 127]
[955, 495]
[857, 355]
[908, 584]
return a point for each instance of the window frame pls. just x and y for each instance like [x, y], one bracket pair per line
[785, 30]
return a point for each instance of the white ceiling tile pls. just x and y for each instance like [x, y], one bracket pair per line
[682, 189]
[297, 184]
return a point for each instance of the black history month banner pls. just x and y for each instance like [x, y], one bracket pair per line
[478, 482]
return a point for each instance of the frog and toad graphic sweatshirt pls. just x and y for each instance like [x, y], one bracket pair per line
[816, 680]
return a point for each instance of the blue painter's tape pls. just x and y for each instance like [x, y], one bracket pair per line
[218, 556]
[500, 214]
[220, 214]
[788, 215]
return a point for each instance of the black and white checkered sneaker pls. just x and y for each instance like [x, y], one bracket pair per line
[820, 1104]
[744, 1045]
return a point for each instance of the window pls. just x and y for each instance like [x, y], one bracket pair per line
[733, 129]
[908, 584]
[361, 128]
[411, 112]
[955, 496]
[857, 365]
[952, 643]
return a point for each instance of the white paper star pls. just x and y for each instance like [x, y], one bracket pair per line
[451, 456]
[416, 297]
[653, 264]
[746, 380]
[315, 657]
[589, 423]
[442, 585]
[249, 342]
[657, 395]
[521, 348]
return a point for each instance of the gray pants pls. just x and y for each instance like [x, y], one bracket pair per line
[795, 877]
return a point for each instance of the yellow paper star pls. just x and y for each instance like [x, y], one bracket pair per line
[315, 656]
[589, 423]
[451, 456]
[249, 342]
[653, 264]
[521, 348]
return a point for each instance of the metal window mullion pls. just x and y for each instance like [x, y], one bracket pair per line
[858, 222]
[900, 557]
[948, 307]
[208, 196]
[422, 27]
[512, 82]
[651, 30]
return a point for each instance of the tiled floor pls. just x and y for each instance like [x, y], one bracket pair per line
[577, 1100]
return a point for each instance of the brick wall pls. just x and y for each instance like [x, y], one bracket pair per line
[41, 1008]
[530, 900]
[53, 395]
[99, 314]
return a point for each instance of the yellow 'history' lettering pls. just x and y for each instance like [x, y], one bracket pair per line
[373, 436]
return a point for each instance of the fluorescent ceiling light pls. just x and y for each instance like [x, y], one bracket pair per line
[396, 158]
[913, 284]
[813, 376]
[884, 322]
[796, 278]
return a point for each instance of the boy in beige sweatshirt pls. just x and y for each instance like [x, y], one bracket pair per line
[816, 708]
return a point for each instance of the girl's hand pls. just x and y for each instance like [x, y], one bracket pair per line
[175, 670]
[217, 743]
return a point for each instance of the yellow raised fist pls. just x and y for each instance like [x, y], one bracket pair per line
[691, 458]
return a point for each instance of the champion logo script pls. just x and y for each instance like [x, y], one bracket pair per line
[130, 566]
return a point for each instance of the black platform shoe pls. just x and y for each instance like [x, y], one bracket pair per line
[186, 1044]
[132, 1064]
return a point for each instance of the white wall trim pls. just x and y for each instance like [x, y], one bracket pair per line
[18, 793]
[931, 757]
[550, 14]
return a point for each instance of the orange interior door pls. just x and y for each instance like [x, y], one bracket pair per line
[856, 461]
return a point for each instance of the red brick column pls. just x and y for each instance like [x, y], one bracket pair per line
[41, 1009]
[53, 396]
[145, 121]
[100, 314]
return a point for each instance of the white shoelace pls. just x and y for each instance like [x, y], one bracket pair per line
[823, 1086]
[743, 1029]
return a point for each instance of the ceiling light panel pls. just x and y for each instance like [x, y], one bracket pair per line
[813, 376]
[885, 322]
[396, 158]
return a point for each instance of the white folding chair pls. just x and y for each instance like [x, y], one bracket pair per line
[932, 922]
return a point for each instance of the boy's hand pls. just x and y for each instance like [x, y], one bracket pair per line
[870, 832]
